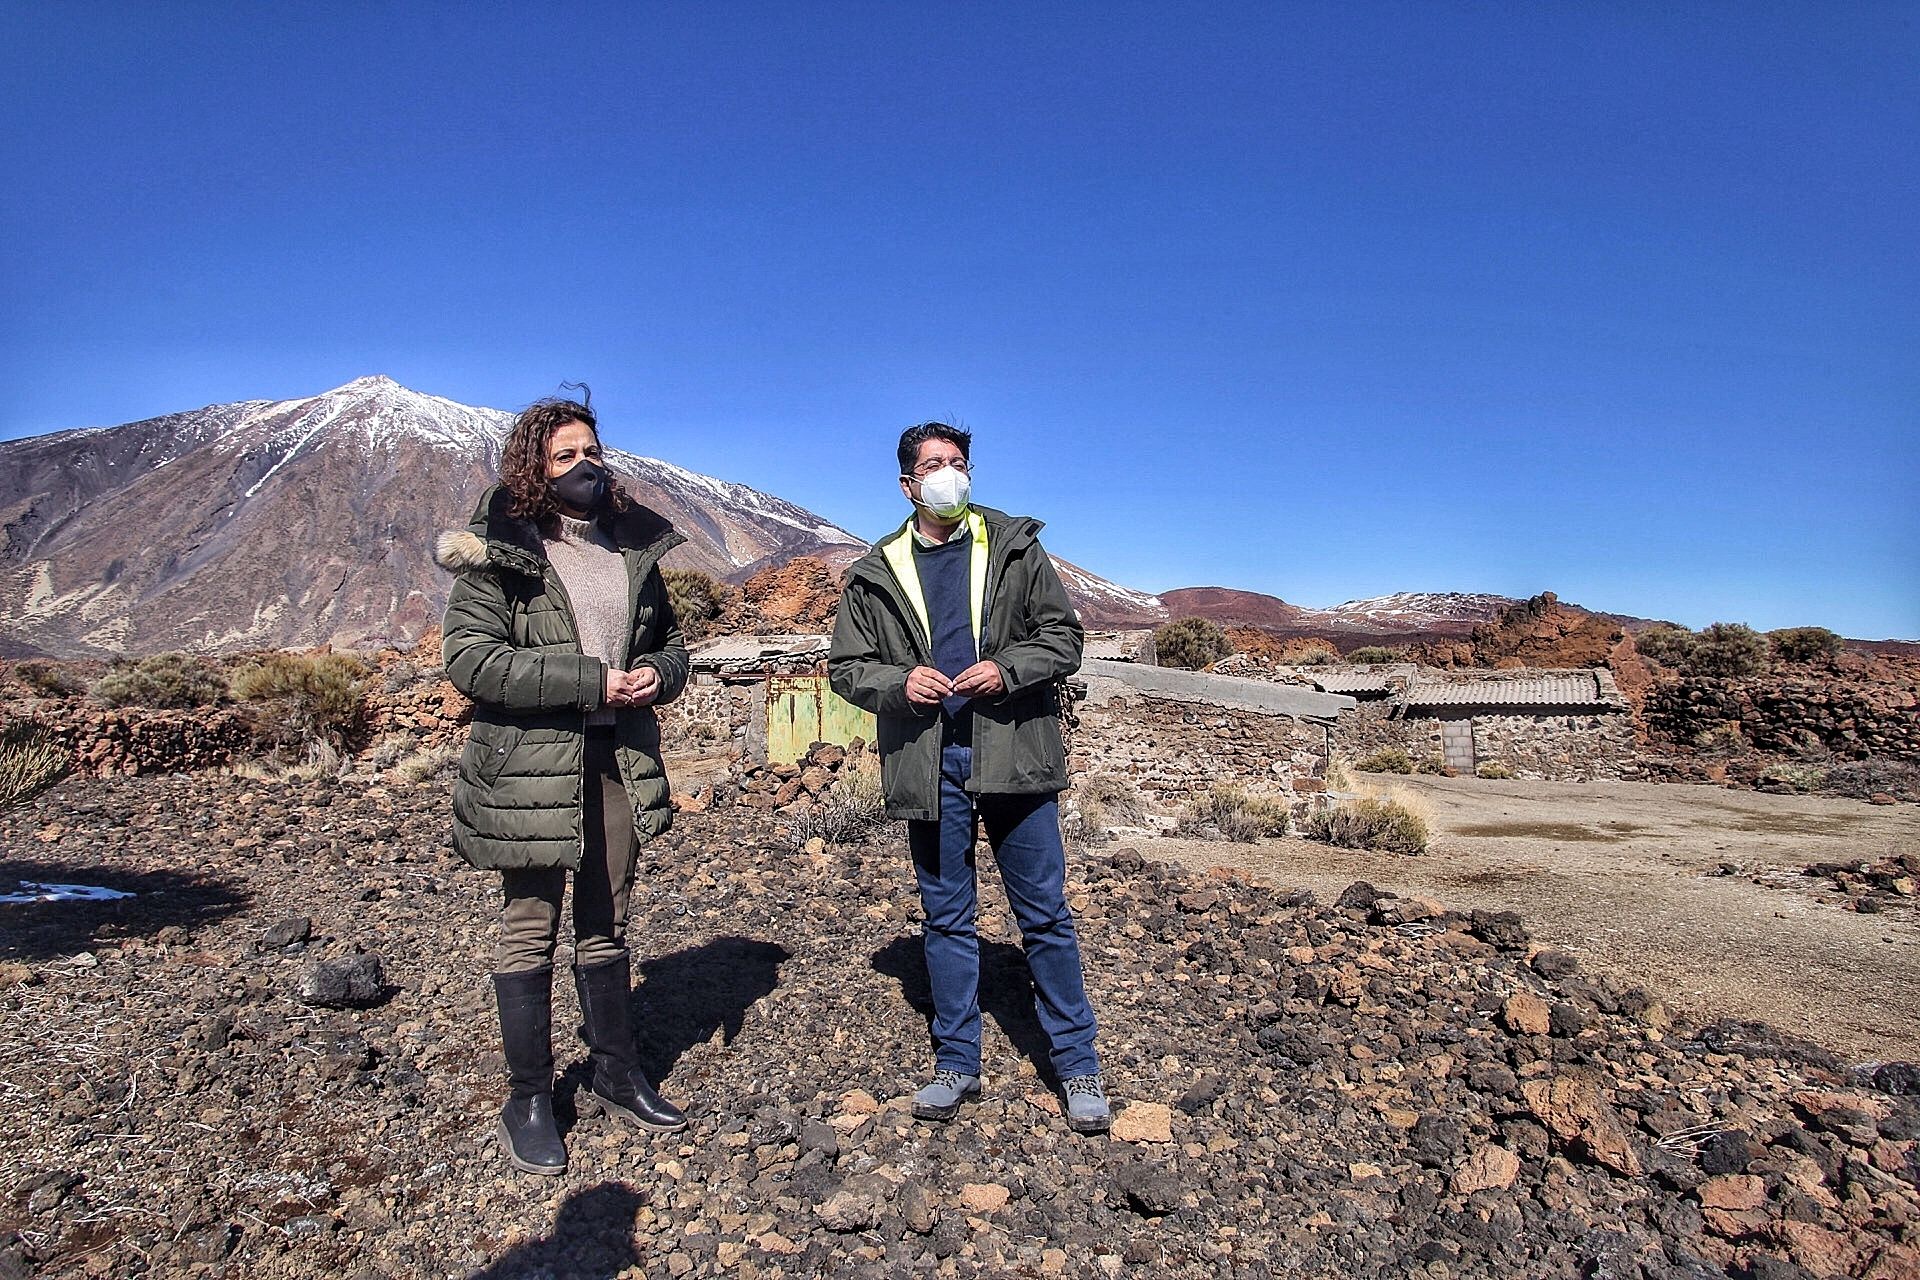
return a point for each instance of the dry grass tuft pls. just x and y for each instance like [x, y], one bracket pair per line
[1370, 822]
[1230, 812]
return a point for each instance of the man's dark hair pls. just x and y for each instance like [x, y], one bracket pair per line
[913, 437]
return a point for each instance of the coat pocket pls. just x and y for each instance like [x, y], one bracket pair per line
[488, 750]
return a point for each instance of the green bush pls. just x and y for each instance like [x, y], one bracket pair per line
[1668, 646]
[1727, 649]
[301, 699]
[697, 600]
[1430, 763]
[163, 680]
[30, 762]
[1191, 643]
[48, 679]
[1370, 823]
[1367, 654]
[1493, 769]
[1386, 760]
[1804, 644]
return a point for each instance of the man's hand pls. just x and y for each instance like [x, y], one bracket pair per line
[636, 688]
[981, 680]
[925, 687]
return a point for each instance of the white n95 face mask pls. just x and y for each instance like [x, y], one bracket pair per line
[945, 492]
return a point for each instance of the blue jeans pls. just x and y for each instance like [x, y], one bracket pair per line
[1024, 832]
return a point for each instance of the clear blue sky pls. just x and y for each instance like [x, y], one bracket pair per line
[1330, 300]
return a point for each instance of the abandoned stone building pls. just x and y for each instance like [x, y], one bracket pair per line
[1174, 733]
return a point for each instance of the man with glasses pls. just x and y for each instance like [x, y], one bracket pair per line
[953, 631]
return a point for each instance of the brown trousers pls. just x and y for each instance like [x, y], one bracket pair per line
[530, 918]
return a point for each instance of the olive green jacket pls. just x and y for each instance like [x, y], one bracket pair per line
[510, 643]
[1031, 633]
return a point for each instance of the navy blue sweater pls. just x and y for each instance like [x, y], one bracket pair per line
[945, 585]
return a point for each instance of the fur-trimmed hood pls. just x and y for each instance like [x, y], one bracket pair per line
[497, 539]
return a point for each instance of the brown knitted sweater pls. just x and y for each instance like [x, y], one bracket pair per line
[595, 575]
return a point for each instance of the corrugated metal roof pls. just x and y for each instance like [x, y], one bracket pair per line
[1578, 690]
[1351, 682]
[752, 648]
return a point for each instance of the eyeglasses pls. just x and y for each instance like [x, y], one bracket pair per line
[927, 468]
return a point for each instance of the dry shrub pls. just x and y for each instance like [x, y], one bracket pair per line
[1430, 763]
[1493, 769]
[426, 763]
[1234, 813]
[165, 680]
[1102, 801]
[1306, 651]
[1340, 773]
[1873, 776]
[1386, 760]
[299, 699]
[1380, 823]
[49, 680]
[1802, 779]
[387, 752]
[1723, 739]
[1118, 798]
[30, 762]
[1371, 654]
[855, 804]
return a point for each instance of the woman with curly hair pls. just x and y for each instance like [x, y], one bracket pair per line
[559, 628]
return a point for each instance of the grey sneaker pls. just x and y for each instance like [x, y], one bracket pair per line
[1087, 1109]
[941, 1099]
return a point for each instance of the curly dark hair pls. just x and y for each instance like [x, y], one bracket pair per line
[523, 462]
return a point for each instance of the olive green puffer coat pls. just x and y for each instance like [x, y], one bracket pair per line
[510, 643]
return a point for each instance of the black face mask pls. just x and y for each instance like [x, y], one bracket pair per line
[585, 486]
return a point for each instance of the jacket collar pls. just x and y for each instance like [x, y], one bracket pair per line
[497, 537]
[1005, 534]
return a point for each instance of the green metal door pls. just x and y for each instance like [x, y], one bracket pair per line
[802, 710]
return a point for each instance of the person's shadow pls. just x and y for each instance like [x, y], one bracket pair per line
[1006, 995]
[681, 999]
[592, 1237]
[52, 908]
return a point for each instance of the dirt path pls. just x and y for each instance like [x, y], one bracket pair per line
[1622, 875]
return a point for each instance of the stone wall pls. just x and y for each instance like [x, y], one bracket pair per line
[1791, 715]
[709, 715]
[1560, 748]
[133, 741]
[1175, 750]
[1370, 727]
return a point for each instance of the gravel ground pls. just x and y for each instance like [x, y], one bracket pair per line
[1364, 1087]
[1695, 892]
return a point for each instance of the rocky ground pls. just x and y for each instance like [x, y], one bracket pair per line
[1367, 1087]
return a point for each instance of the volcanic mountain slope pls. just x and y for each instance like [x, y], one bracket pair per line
[297, 522]
[1382, 620]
